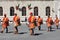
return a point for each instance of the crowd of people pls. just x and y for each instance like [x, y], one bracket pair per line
[33, 22]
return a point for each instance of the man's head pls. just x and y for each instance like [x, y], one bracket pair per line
[48, 16]
[4, 15]
[39, 16]
[31, 13]
[15, 14]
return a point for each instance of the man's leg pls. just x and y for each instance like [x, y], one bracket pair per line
[2, 29]
[57, 26]
[16, 30]
[39, 27]
[50, 28]
[31, 31]
[6, 29]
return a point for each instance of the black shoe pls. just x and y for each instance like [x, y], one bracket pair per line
[39, 28]
[1, 31]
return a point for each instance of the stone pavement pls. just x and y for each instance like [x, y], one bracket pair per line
[24, 33]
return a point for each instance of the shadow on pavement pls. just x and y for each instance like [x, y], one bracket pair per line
[36, 34]
[23, 33]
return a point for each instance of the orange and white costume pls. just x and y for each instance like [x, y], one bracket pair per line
[5, 22]
[16, 19]
[31, 22]
[39, 21]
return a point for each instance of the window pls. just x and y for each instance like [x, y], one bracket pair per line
[47, 11]
[11, 11]
[23, 11]
[1, 11]
[35, 11]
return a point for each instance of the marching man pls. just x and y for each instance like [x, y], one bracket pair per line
[49, 23]
[31, 20]
[16, 20]
[39, 22]
[57, 22]
[5, 23]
